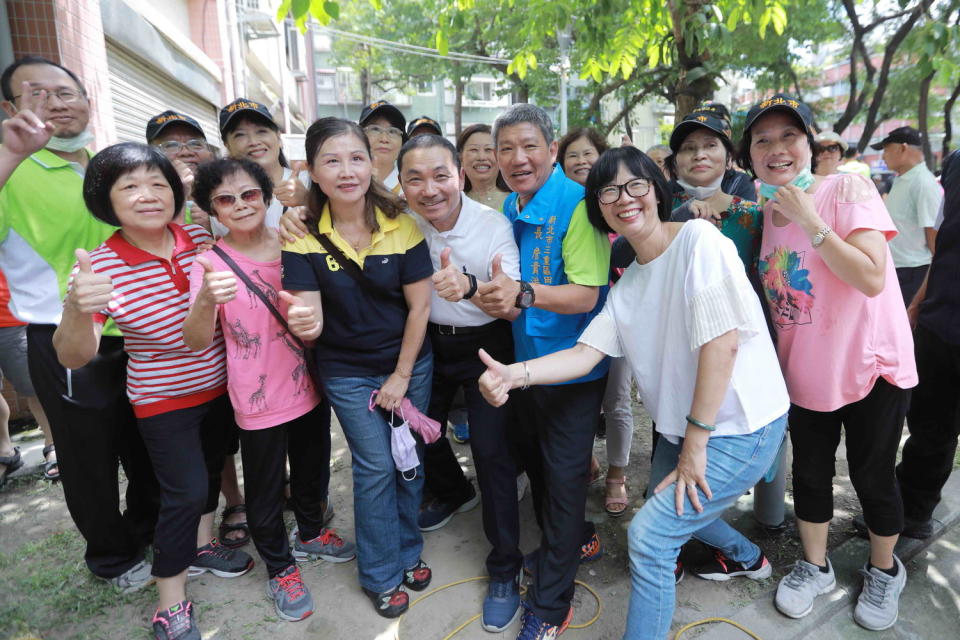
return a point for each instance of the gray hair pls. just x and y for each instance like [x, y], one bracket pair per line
[520, 113]
[660, 147]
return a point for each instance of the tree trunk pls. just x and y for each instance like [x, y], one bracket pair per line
[458, 106]
[688, 94]
[365, 86]
[947, 123]
[628, 127]
[923, 109]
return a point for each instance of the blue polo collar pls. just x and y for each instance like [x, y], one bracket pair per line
[544, 202]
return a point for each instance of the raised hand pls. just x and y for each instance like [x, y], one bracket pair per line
[90, 292]
[293, 225]
[28, 131]
[301, 317]
[499, 296]
[219, 287]
[702, 209]
[291, 192]
[496, 382]
[795, 204]
[450, 283]
[186, 176]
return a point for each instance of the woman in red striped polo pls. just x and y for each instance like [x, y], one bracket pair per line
[140, 279]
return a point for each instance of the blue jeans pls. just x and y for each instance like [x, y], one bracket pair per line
[385, 505]
[734, 465]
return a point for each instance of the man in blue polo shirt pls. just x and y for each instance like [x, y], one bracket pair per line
[564, 264]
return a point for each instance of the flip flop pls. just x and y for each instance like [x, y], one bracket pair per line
[226, 527]
[11, 464]
[51, 468]
[609, 502]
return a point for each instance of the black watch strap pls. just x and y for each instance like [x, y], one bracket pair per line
[525, 298]
[473, 285]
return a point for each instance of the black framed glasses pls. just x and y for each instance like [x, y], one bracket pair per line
[636, 188]
[228, 199]
[173, 147]
[376, 130]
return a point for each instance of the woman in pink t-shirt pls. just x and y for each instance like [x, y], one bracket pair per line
[844, 345]
[276, 404]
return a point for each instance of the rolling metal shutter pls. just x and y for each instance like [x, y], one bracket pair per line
[139, 92]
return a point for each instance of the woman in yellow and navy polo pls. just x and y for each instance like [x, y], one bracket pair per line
[367, 310]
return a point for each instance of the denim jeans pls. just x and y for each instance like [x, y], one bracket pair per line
[734, 464]
[385, 505]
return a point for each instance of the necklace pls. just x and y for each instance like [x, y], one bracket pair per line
[354, 242]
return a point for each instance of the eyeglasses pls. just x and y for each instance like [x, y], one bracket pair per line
[376, 130]
[228, 199]
[636, 188]
[173, 147]
[65, 95]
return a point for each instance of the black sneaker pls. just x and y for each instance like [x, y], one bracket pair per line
[436, 514]
[917, 529]
[176, 623]
[220, 561]
[418, 576]
[722, 568]
[389, 604]
[678, 573]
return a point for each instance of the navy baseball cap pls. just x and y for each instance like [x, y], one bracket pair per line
[385, 109]
[161, 121]
[904, 135]
[717, 108]
[781, 102]
[706, 119]
[424, 121]
[244, 106]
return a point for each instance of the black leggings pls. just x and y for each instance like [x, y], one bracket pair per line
[306, 440]
[873, 427]
[186, 447]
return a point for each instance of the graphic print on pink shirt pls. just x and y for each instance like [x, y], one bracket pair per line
[787, 286]
[267, 374]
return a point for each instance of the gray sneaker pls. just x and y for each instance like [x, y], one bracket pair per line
[135, 578]
[291, 598]
[877, 606]
[797, 589]
[327, 546]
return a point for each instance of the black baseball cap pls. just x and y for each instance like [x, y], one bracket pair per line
[717, 108]
[387, 110]
[707, 120]
[781, 102]
[424, 121]
[244, 106]
[161, 121]
[905, 135]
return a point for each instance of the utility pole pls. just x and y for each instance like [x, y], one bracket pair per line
[563, 40]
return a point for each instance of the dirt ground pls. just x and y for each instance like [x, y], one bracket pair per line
[48, 593]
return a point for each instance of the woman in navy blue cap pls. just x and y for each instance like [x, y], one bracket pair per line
[385, 127]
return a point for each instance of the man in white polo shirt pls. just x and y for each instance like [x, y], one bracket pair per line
[913, 202]
[465, 238]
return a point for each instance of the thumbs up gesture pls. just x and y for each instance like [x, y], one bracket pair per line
[219, 287]
[301, 317]
[451, 283]
[496, 381]
[90, 292]
[291, 192]
[499, 296]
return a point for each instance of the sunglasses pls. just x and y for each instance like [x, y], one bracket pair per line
[228, 199]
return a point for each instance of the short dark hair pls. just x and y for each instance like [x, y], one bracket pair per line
[743, 153]
[462, 142]
[116, 161]
[592, 135]
[7, 75]
[427, 141]
[377, 195]
[254, 118]
[211, 175]
[605, 170]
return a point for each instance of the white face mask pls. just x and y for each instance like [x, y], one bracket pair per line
[70, 145]
[701, 193]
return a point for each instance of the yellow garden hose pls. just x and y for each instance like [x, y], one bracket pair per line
[709, 620]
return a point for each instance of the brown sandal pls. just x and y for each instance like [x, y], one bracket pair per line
[609, 501]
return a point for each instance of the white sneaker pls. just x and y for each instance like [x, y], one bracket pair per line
[522, 483]
[798, 589]
[135, 578]
[877, 607]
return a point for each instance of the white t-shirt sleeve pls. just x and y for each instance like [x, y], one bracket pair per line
[715, 288]
[601, 333]
[504, 243]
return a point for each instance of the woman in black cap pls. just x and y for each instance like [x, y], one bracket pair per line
[845, 348]
[249, 131]
[385, 127]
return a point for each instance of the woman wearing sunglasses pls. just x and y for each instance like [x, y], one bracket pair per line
[235, 288]
[705, 368]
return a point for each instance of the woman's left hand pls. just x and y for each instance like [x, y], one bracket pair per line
[794, 204]
[393, 391]
[691, 472]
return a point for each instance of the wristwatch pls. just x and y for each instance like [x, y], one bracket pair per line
[473, 285]
[525, 297]
[820, 236]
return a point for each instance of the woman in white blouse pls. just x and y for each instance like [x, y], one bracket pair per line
[692, 330]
